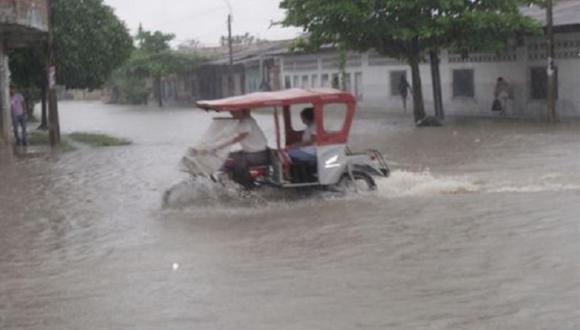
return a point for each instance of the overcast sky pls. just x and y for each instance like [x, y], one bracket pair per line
[203, 20]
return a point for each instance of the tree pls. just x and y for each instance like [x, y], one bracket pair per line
[153, 42]
[89, 43]
[155, 49]
[152, 59]
[405, 29]
[189, 45]
[476, 26]
[27, 72]
[244, 40]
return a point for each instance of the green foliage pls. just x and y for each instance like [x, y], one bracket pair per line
[151, 60]
[392, 26]
[153, 42]
[408, 29]
[28, 74]
[38, 138]
[27, 68]
[90, 42]
[98, 140]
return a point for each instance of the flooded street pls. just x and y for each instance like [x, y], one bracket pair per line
[478, 228]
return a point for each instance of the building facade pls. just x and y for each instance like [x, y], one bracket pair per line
[468, 81]
[23, 23]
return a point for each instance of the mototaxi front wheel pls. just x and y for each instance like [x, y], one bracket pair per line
[358, 182]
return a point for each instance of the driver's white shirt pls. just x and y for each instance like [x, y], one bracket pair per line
[256, 140]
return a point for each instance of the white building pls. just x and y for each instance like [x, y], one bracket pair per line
[467, 83]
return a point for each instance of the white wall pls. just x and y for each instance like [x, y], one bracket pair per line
[513, 67]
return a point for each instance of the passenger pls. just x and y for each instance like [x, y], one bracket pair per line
[254, 148]
[304, 151]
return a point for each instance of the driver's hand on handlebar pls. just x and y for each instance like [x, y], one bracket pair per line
[203, 152]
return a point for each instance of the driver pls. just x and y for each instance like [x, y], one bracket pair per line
[254, 148]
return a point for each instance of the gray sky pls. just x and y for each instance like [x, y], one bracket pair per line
[203, 20]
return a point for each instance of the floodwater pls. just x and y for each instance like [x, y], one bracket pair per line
[478, 228]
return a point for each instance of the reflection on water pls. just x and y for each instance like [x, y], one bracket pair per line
[476, 229]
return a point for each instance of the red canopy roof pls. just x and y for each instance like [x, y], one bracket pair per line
[278, 99]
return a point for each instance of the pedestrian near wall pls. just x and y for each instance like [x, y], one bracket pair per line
[502, 94]
[404, 89]
[17, 106]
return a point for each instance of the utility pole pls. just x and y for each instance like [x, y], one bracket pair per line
[53, 120]
[231, 52]
[551, 70]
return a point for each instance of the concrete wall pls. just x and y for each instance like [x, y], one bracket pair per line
[375, 90]
[26, 13]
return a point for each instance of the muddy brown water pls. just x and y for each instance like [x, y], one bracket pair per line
[478, 228]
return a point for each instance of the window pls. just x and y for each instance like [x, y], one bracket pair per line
[304, 82]
[396, 81]
[296, 82]
[463, 83]
[335, 81]
[287, 82]
[347, 83]
[325, 81]
[334, 116]
[296, 119]
[539, 83]
[314, 81]
[358, 86]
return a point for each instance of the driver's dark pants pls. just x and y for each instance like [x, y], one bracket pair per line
[242, 161]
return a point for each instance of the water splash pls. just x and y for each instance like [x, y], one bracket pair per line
[200, 192]
[551, 182]
[404, 184]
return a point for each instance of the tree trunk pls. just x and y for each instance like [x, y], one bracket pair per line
[159, 91]
[44, 105]
[29, 107]
[551, 70]
[436, 77]
[54, 127]
[418, 106]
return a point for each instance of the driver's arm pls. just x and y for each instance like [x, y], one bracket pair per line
[233, 141]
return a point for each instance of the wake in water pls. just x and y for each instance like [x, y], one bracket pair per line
[200, 191]
[404, 184]
[203, 192]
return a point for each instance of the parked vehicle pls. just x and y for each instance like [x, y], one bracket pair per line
[335, 167]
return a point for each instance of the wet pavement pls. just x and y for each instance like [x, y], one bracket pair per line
[477, 228]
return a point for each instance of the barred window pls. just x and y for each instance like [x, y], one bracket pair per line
[287, 82]
[539, 83]
[463, 85]
[325, 81]
[314, 81]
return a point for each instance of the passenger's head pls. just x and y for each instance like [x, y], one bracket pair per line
[307, 115]
[500, 79]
